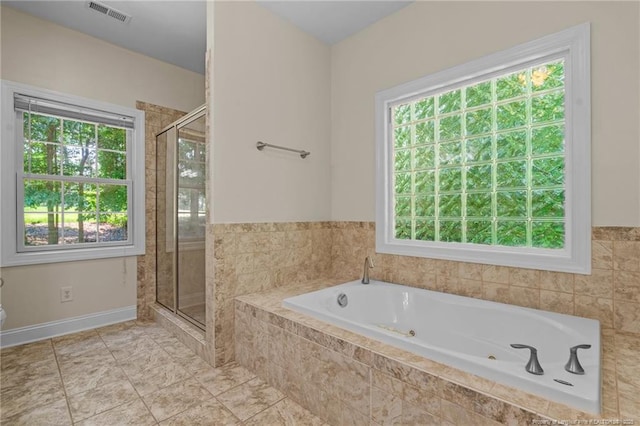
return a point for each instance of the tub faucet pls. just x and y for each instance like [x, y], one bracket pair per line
[533, 366]
[574, 366]
[368, 264]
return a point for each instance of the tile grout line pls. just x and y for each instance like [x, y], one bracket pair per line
[64, 389]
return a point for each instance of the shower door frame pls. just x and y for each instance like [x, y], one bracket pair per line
[181, 122]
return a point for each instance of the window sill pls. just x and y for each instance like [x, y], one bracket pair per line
[57, 256]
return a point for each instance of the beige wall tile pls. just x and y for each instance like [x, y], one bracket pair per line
[602, 254]
[598, 284]
[595, 308]
[626, 255]
[627, 317]
[557, 281]
[556, 301]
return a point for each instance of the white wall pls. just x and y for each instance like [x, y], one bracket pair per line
[426, 37]
[271, 83]
[43, 54]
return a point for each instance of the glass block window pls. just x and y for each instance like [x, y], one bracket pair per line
[484, 163]
[490, 161]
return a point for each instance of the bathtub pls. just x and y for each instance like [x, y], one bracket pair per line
[469, 334]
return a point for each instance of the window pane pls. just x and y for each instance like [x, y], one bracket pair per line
[479, 149]
[425, 132]
[450, 127]
[511, 115]
[78, 160]
[402, 114]
[425, 157]
[112, 165]
[425, 230]
[80, 228]
[479, 232]
[450, 101]
[425, 182]
[112, 198]
[424, 108]
[548, 235]
[547, 140]
[113, 227]
[479, 205]
[79, 133]
[548, 171]
[512, 174]
[480, 94]
[547, 76]
[512, 204]
[402, 136]
[41, 228]
[450, 205]
[451, 179]
[426, 205]
[403, 229]
[42, 158]
[479, 121]
[548, 107]
[549, 203]
[451, 153]
[512, 233]
[402, 160]
[451, 231]
[511, 86]
[403, 206]
[479, 177]
[112, 138]
[41, 128]
[42, 195]
[511, 144]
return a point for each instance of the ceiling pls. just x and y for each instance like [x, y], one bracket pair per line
[175, 31]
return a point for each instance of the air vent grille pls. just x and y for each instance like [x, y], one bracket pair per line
[108, 11]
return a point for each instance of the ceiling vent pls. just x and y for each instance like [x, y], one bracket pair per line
[109, 11]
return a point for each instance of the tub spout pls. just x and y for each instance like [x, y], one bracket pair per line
[368, 264]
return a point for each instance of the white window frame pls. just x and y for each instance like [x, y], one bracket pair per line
[573, 45]
[11, 253]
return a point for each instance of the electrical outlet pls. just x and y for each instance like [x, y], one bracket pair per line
[66, 295]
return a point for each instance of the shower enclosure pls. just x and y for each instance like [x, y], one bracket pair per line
[181, 217]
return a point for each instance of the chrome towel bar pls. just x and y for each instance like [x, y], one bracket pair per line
[261, 145]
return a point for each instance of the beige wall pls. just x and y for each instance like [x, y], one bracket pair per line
[271, 83]
[426, 37]
[46, 55]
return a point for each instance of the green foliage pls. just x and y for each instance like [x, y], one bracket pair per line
[478, 121]
[425, 132]
[450, 127]
[479, 94]
[512, 234]
[450, 101]
[479, 232]
[450, 205]
[451, 231]
[425, 157]
[424, 108]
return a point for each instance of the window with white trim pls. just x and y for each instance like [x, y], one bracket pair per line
[489, 161]
[73, 178]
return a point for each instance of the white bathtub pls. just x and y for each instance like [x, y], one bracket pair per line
[463, 333]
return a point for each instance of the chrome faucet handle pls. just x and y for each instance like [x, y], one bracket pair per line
[573, 365]
[533, 366]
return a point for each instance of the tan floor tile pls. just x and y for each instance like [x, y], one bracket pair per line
[285, 412]
[168, 402]
[55, 413]
[87, 377]
[221, 379]
[91, 358]
[250, 398]
[133, 413]
[98, 400]
[210, 412]
[26, 354]
[30, 394]
[159, 377]
[139, 365]
[20, 375]
[77, 344]
[134, 347]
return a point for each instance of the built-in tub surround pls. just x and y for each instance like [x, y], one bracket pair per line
[469, 334]
[347, 378]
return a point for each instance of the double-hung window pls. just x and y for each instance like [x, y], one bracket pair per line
[75, 177]
[489, 161]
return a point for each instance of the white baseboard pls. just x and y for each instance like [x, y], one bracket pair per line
[47, 330]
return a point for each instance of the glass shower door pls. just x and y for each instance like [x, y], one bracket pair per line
[191, 218]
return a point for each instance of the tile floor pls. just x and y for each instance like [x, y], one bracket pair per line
[133, 374]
